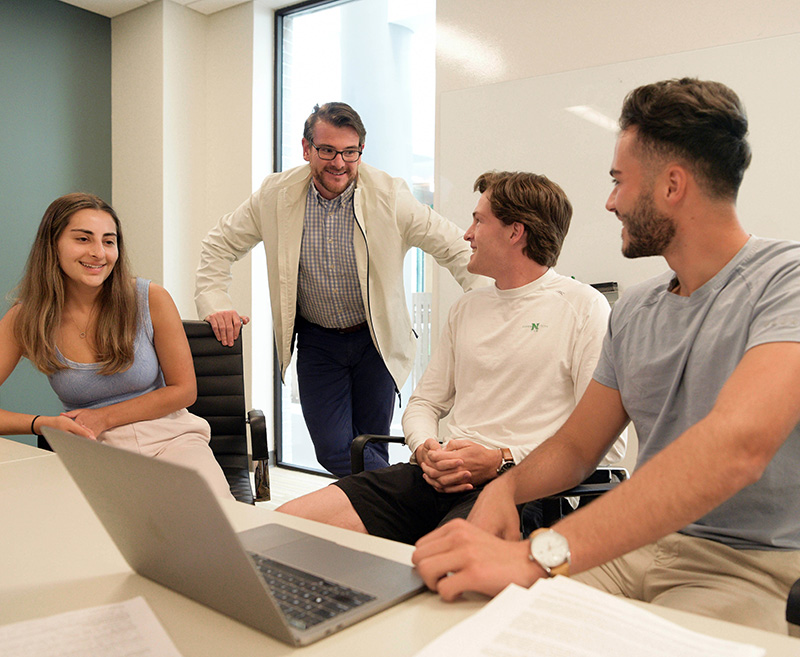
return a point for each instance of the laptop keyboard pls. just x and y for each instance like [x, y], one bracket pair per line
[306, 599]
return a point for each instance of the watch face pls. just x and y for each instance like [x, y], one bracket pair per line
[550, 549]
[507, 465]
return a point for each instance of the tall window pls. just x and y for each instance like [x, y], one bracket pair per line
[377, 56]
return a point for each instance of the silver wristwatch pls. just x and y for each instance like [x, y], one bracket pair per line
[551, 551]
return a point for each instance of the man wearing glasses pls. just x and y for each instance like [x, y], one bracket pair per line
[335, 251]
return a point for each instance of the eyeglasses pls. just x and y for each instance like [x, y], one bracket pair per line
[328, 153]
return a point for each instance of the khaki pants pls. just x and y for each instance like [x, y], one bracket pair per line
[180, 438]
[705, 577]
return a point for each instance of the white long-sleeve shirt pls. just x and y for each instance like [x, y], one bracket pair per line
[512, 365]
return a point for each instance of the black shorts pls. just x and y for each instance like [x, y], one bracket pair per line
[398, 504]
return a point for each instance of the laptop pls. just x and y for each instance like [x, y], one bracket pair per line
[171, 529]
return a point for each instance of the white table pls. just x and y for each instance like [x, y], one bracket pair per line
[11, 450]
[55, 556]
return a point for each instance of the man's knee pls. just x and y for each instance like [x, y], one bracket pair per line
[337, 463]
[329, 505]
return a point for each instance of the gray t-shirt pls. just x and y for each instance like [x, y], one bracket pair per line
[669, 357]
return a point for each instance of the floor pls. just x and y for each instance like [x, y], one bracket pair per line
[288, 484]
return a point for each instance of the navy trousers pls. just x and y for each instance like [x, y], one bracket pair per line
[345, 390]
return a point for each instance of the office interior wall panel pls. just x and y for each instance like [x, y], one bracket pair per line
[55, 138]
[137, 106]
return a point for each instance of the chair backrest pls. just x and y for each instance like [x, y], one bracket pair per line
[221, 401]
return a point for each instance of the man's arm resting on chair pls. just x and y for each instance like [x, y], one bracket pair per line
[683, 482]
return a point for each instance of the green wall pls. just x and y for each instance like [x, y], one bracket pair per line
[55, 138]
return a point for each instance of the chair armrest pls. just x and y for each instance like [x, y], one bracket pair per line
[359, 444]
[584, 490]
[552, 508]
[600, 481]
[793, 604]
[258, 435]
[606, 474]
[260, 451]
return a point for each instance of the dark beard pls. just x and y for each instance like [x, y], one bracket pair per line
[649, 233]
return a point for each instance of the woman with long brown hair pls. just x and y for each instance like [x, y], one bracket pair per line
[112, 345]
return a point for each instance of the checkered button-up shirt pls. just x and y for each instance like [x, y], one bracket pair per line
[328, 290]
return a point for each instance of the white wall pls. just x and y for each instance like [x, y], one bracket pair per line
[182, 90]
[185, 148]
[513, 39]
[137, 92]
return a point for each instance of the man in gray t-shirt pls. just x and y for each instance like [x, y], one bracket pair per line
[705, 361]
[669, 357]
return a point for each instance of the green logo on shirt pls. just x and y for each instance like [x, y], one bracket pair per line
[535, 326]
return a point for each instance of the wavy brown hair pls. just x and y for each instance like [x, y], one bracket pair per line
[339, 115]
[536, 202]
[41, 295]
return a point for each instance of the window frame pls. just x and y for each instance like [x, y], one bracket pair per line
[277, 141]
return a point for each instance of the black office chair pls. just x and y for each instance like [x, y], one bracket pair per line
[220, 401]
[793, 606]
[553, 508]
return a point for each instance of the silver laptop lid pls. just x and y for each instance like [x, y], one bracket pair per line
[170, 528]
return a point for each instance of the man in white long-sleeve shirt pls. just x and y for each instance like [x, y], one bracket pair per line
[512, 363]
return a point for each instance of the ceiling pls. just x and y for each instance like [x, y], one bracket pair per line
[111, 8]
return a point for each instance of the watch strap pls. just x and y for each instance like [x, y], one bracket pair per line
[507, 461]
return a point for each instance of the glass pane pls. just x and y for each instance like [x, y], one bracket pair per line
[377, 56]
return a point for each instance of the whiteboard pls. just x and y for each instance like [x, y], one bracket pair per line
[524, 125]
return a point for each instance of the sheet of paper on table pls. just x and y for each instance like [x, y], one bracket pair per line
[559, 617]
[115, 630]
